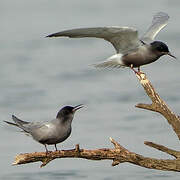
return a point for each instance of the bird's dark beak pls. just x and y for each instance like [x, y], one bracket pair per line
[171, 55]
[142, 42]
[77, 107]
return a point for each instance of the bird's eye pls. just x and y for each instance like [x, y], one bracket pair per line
[160, 48]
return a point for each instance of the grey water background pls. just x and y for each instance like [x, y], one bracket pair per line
[39, 75]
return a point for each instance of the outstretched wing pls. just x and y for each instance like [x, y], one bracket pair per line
[122, 38]
[159, 21]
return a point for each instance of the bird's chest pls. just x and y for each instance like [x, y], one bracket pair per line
[139, 58]
[63, 131]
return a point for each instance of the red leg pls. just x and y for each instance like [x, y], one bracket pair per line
[136, 72]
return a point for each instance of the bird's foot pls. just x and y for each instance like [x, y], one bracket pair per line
[139, 73]
[136, 72]
[48, 152]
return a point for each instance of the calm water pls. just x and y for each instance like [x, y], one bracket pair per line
[38, 76]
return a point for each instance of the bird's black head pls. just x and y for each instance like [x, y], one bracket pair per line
[161, 48]
[67, 112]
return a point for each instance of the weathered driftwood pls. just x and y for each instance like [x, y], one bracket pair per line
[119, 154]
[158, 105]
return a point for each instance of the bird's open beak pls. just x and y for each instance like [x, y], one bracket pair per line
[171, 55]
[77, 107]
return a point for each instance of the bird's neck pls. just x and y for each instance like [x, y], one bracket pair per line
[66, 120]
[150, 54]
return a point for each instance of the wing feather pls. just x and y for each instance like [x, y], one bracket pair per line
[159, 21]
[122, 38]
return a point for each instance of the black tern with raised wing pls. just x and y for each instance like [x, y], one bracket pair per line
[50, 132]
[131, 51]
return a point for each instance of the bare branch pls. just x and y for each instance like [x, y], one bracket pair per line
[119, 154]
[146, 106]
[158, 104]
[163, 149]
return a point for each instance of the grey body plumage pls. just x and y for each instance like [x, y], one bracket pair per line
[131, 51]
[49, 132]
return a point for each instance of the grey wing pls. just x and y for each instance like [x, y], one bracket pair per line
[159, 21]
[44, 131]
[122, 38]
[34, 125]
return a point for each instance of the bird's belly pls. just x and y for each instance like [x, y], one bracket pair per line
[137, 60]
[51, 136]
[53, 140]
[58, 138]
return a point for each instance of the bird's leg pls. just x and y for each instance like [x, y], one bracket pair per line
[46, 149]
[55, 147]
[131, 66]
[139, 69]
[136, 72]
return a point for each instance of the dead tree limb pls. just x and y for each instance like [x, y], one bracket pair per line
[158, 105]
[119, 154]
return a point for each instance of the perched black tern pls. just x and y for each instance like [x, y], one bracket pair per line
[131, 51]
[50, 132]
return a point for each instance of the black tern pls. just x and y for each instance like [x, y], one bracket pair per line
[50, 132]
[131, 51]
